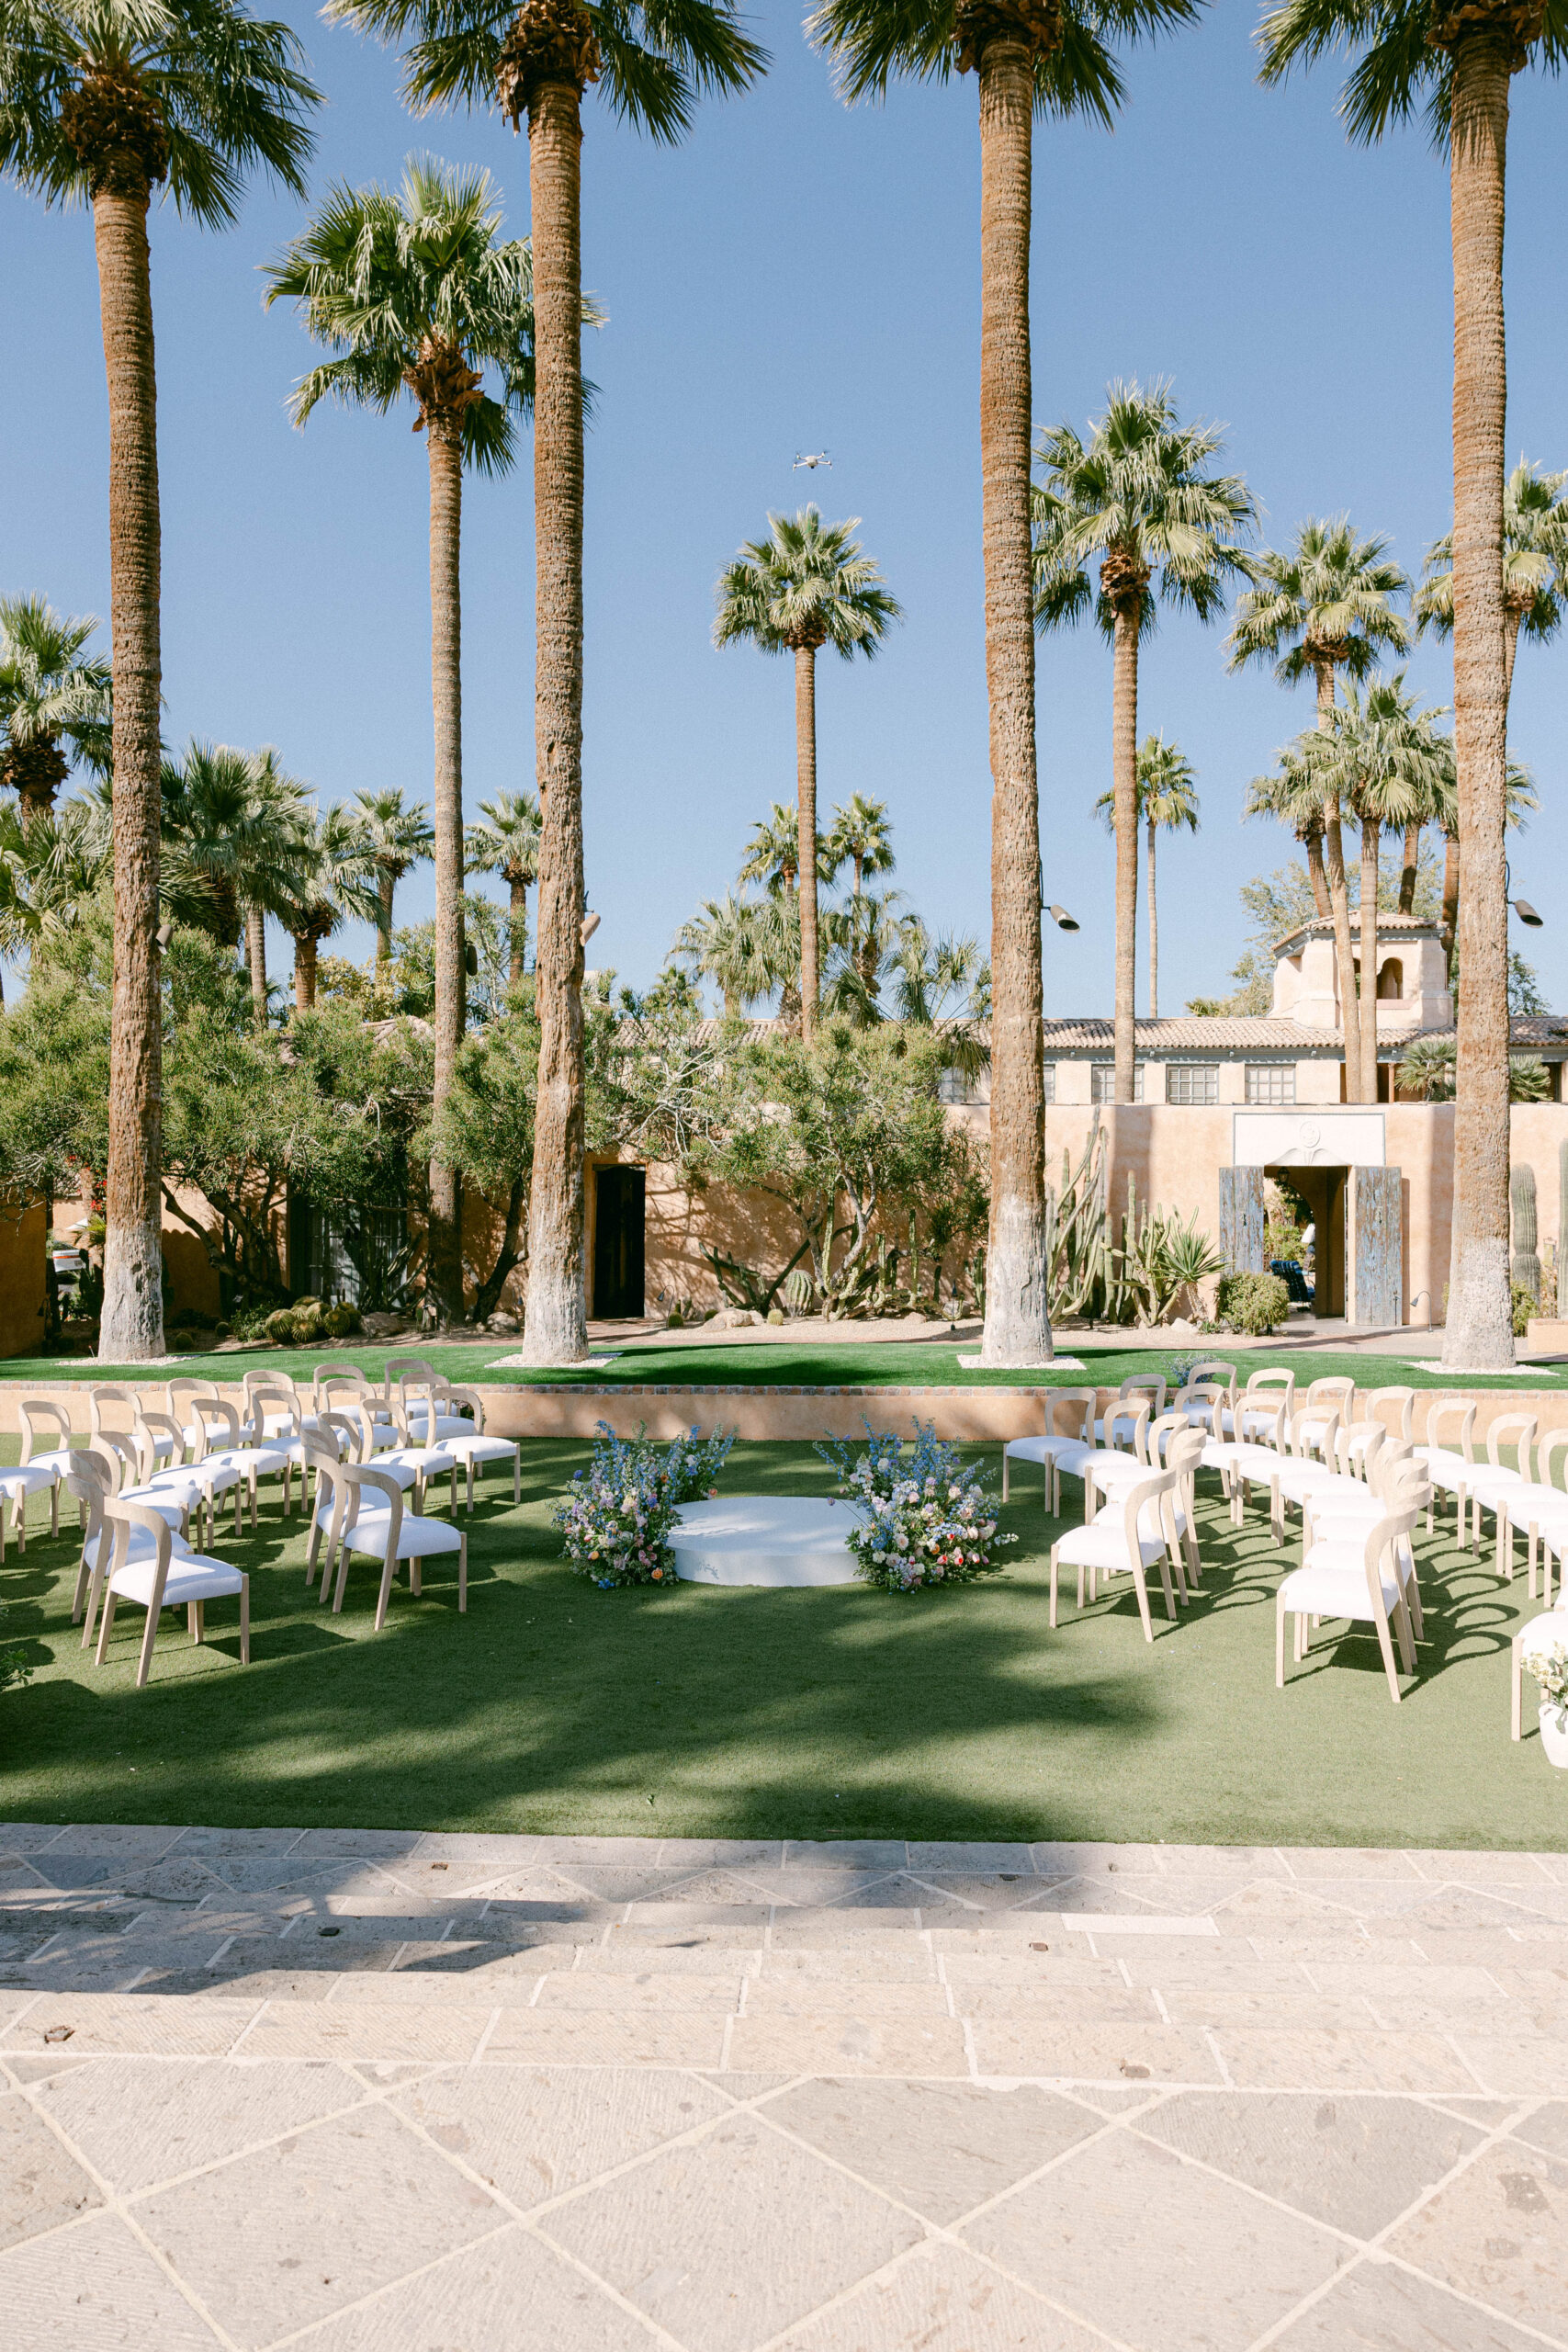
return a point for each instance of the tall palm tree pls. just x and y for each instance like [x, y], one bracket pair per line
[104, 100]
[1290, 794]
[506, 842]
[653, 63]
[1461, 56]
[1166, 799]
[807, 585]
[1385, 760]
[749, 946]
[54, 704]
[1140, 496]
[333, 874]
[283, 808]
[417, 293]
[400, 837]
[861, 836]
[233, 823]
[1535, 566]
[1322, 606]
[1027, 56]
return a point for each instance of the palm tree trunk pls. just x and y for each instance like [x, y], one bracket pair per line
[1018, 1318]
[386, 887]
[446, 452]
[1339, 908]
[256, 956]
[555, 1327]
[1479, 1322]
[806, 786]
[1318, 878]
[1410, 866]
[1125, 794]
[304, 971]
[519, 933]
[1370, 837]
[133, 1324]
[1512, 623]
[1154, 931]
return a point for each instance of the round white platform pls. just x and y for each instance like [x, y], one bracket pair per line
[764, 1539]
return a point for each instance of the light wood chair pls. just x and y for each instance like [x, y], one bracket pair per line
[388, 1532]
[161, 1581]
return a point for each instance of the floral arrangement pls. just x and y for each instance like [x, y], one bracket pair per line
[1550, 1669]
[617, 1517]
[921, 1518]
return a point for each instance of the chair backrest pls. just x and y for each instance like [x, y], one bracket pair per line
[1160, 1433]
[273, 1396]
[275, 1383]
[1440, 1412]
[1274, 1378]
[1397, 1474]
[1335, 1387]
[145, 1431]
[1313, 1429]
[1515, 1429]
[1360, 1445]
[1127, 1425]
[1078, 1401]
[351, 1482]
[110, 1457]
[1377, 1402]
[191, 1391]
[331, 1379]
[209, 1409]
[98, 1395]
[409, 1368]
[1552, 1443]
[342, 1429]
[1159, 1487]
[1212, 1368]
[1150, 1383]
[318, 1449]
[119, 1517]
[1390, 1529]
[32, 1414]
[469, 1398]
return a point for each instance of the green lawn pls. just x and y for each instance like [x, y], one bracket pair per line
[846, 1712]
[922, 1364]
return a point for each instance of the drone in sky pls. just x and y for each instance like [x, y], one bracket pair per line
[810, 464]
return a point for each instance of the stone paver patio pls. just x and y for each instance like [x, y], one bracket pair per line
[369, 2092]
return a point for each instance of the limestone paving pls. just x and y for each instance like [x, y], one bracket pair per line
[429, 2092]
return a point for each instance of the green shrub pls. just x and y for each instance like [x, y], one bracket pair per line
[1252, 1303]
[1526, 1304]
[342, 1321]
[279, 1327]
[307, 1322]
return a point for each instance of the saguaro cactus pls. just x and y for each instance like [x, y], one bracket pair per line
[1526, 1267]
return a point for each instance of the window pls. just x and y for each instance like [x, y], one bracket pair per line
[1272, 1082]
[1192, 1083]
[1102, 1078]
[1391, 979]
[961, 1086]
[1049, 1081]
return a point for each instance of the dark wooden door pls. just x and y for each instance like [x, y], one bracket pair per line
[1376, 1251]
[619, 1242]
[1241, 1220]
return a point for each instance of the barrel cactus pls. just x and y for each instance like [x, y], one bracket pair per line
[1526, 1268]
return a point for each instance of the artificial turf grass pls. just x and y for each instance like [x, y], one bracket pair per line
[826, 1712]
[858, 1364]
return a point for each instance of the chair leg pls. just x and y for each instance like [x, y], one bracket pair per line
[1516, 1679]
[244, 1621]
[105, 1622]
[462, 1575]
[470, 1485]
[1386, 1645]
[1055, 1565]
[342, 1577]
[389, 1571]
[54, 1509]
[1144, 1601]
[1504, 1527]
[1279, 1643]
[516, 1476]
[1005, 1468]
[311, 1551]
[196, 1621]
[94, 1583]
[144, 1663]
[1402, 1634]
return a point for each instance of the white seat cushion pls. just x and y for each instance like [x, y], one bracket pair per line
[446, 1424]
[1104, 1546]
[190, 1579]
[1254, 1462]
[28, 1478]
[1254, 1421]
[418, 1539]
[1332, 1582]
[1070, 1456]
[1536, 1506]
[142, 1547]
[1490, 1485]
[1444, 1469]
[57, 1464]
[419, 1461]
[1298, 1479]
[501, 1449]
[170, 1506]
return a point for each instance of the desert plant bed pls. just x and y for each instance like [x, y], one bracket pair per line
[840, 1712]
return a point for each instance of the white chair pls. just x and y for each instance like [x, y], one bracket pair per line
[37, 1415]
[343, 1388]
[385, 1531]
[1116, 1428]
[1538, 1639]
[1358, 1578]
[1349, 1512]
[1539, 1508]
[425, 1399]
[16, 1485]
[1173, 1444]
[196, 1483]
[1209, 1392]
[160, 1581]
[1334, 1395]
[324, 1451]
[1052, 1444]
[1256, 1411]
[1492, 1481]
[275, 1407]
[98, 1471]
[1131, 1537]
[1244, 1463]
[1131, 1426]
[1296, 1472]
[98, 1396]
[474, 1452]
[1449, 1470]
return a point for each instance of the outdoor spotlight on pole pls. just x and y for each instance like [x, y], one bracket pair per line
[590, 925]
[1522, 907]
[1060, 916]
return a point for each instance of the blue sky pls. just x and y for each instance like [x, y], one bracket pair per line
[799, 276]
